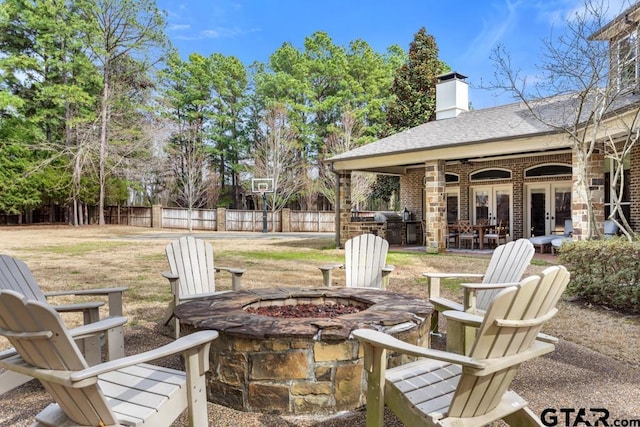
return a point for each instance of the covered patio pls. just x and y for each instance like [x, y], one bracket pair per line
[499, 164]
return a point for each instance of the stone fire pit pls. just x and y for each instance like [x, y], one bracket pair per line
[300, 365]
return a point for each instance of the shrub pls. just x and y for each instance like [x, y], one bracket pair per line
[604, 272]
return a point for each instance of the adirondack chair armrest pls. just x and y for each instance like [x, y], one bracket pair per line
[79, 333]
[537, 349]
[173, 281]
[385, 341]
[326, 273]
[486, 286]
[474, 320]
[66, 308]
[471, 289]
[236, 274]
[114, 296]
[98, 291]
[387, 269]
[169, 275]
[462, 317]
[97, 327]
[185, 343]
[231, 270]
[90, 310]
[433, 286]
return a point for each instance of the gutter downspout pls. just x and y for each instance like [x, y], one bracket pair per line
[337, 206]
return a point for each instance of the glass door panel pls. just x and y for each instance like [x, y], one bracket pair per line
[549, 206]
[538, 210]
[492, 203]
[561, 207]
[503, 208]
[481, 199]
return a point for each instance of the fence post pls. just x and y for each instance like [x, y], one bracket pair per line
[285, 220]
[221, 219]
[156, 216]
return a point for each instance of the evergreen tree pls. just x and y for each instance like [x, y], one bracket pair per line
[414, 86]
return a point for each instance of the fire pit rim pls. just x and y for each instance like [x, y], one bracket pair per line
[225, 311]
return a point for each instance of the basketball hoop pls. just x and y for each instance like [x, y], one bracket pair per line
[263, 186]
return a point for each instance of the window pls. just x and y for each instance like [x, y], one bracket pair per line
[451, 178]
[625, 200]
[490, 174]
[548, 170]
[627, 57]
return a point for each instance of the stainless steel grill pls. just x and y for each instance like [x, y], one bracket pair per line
[393, 225]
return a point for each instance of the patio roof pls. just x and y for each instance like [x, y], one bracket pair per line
[503, 130]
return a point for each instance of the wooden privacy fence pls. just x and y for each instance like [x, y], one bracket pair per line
[221, 219]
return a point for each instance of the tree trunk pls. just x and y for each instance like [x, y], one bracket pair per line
[104, 117]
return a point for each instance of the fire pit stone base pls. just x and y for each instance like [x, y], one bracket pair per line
[298, 366]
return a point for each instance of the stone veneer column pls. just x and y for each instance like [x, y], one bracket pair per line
[156, 216]
[579, 206]
[435, 206]
[344, 205]
[285, 220]
[221, 219]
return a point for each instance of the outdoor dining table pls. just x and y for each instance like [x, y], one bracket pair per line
[481, 229]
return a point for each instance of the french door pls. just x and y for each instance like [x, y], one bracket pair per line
[492, 203]
[548, 207]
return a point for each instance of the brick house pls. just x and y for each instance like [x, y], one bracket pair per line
[501, 163]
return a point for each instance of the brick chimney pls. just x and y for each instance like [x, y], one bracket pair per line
[452, 95]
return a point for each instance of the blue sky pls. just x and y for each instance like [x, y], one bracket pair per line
[466, 30]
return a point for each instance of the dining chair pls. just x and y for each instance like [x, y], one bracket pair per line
[466, 232]
[499, 232]
[452, 234]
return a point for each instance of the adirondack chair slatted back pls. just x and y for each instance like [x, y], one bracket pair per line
[192, 260]
[510, 326]
[365, 256]
[36, 331]
[15, 275]
[507, 265]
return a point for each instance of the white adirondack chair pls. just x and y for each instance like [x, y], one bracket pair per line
[126, 391]
[447, 389]
[365, 257]
[507, 265]
[192, 273]
[15, 275]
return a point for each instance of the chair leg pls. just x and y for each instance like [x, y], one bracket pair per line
[524, 417]
[176, 325]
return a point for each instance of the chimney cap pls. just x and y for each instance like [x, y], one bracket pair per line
[450, 76]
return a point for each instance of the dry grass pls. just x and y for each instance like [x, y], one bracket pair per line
[86, 257]
[90, 257]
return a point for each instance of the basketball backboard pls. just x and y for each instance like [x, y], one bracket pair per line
[262, 185]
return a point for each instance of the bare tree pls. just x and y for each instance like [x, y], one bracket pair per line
[587, 97]
[189, 172]
[120, 28]
[340, 141]
[277, 156]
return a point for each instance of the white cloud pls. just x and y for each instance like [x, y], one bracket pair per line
[216, 33]
[503, 19]
[178, 27]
